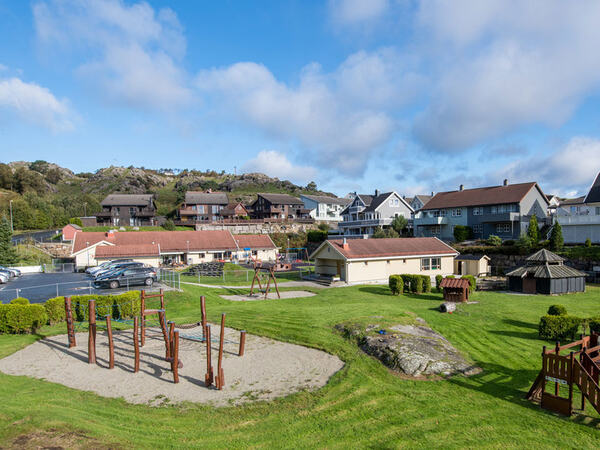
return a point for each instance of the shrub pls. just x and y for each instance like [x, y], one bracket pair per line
[19, 301]
[594, 323]
[76, 221]
[426, 283]
[557, 310]
[19, 318]
[417, 284]
[169, 225]
[396, 284]
[55, 309]
[438, 281]
[462, 233]
[450, 276]
[408, 281]
[553, 328]
[509, 243]
[316, 235]
[588, 242]
[494, 240]
[472, 282]
[556, 237]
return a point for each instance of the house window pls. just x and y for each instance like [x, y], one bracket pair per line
[436, 230]
[425, 263]
[478, 228]
[431, 263]
[193, 207]
[117, 210]
[457, 212]
[478, 211]
[598, 210]
[503, 228]
[131, 211]
[394, 202]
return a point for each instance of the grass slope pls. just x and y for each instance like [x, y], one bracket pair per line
[364, 405]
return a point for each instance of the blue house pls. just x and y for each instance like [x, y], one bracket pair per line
[503, 211]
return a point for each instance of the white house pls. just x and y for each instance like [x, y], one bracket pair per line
[325, 208]
[580, 217]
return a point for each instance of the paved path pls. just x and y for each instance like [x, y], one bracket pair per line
[280, 284]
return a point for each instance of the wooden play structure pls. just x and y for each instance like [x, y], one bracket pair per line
[580, 367]
[170, 335]
[258, 269]
[455, 289]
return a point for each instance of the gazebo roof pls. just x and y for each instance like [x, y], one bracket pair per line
[546, 271]
[545, 256]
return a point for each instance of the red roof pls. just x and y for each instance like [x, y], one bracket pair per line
[167, 241]
[374, 248]
[120, 251]
[455, 283]
[494, 195]
[254, 241]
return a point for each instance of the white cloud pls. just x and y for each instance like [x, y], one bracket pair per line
[339, 117]
[505, 64]
[35, 104]
[275, 164]
[351, 12]
[571, 168]
[133, 52]
[3, 68]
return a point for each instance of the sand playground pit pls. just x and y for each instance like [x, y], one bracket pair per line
[270, 296]
[268, 368]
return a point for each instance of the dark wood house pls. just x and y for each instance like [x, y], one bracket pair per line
[199, 207]
[455, 289]
[544, 272]
[234, 211]
[278, 206]
[127, 210]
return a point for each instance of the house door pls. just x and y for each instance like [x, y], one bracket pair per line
[529, 285]
[339, 269]
[460, 272]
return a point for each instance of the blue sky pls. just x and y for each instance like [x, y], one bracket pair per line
[414, 96]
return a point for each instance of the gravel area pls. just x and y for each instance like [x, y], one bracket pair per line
[271, 296]
[268, 369]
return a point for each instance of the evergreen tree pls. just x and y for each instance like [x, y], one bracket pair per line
[8, 255]
[399, 224]
[556, 237]
[533, 231]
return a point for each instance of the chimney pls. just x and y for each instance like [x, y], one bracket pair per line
[110, 234]
[345, 245]
[505, 182]
[461, 187]
[376, 192]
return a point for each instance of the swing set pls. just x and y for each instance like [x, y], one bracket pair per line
[271, 277]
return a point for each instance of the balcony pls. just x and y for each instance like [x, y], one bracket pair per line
[419, 221]
[366, 223]
[502, 217]
[145, 213]
[104, 214]
[579, 220]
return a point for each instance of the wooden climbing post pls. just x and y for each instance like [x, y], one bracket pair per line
[275, 283]
[136, 346]
[175, 362]
[208, 379]
[242, 343]
[163, 327]
[111, 346]
[92, 332]
[171, 333]
[556, 385]
[220, 379]
[69, 319]
[162, 299]
[143, 317]
[203, 313]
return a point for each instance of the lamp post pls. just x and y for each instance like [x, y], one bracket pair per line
[11, 216]
[87, 246]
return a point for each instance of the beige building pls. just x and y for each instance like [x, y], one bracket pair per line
[374, 260]
[472, 265]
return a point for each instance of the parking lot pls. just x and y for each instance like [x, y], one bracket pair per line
[39, 287]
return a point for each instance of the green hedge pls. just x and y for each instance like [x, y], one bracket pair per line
[594, 324]
[128, 305]
[416, 284]
[426, 283]
[55, 309]
[438, 281]
[18, 318]
[19, 301]
[396, 284]
[557, 310]
[472, 282]
[556, 328]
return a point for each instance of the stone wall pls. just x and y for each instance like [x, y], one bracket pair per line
[509, 262]
[259, 228]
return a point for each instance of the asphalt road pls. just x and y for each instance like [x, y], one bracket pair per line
[39, 287]
[42, 236]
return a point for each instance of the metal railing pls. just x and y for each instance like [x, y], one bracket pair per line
[58, 267]
[170, 278]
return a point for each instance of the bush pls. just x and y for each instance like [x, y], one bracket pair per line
[125, 305]
[426, 283]
[417, 284]
[509, 243]
[396, 284]
[408, 281]
[588, 242]
[316, 235]
[76, 221]
[55, 309]
[556, 328]
[472, 282]
[494, 240]
[169, 225]
[462, 233]
[18, 318]
[19, 301]
[557, 310]
[438, 281]
[594, 323]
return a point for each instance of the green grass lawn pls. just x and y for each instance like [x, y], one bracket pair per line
[235, 275]
[364, 405]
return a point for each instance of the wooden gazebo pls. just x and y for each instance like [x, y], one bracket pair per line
[544, 272]
[455, 289]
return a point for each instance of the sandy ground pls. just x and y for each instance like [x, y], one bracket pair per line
[268, 369]
[272, 295]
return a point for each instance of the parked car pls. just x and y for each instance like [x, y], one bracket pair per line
[105, 265]
[4, 278]
[7, 274]
[119, 266]
[127, 277]
[13, 272]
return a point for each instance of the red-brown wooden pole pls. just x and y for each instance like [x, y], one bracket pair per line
[69, 319]
[208, 379]
[268, 284]
[92, 332]
[162, 299]
[556, 385]
[163, 327]
[175, 364]
[136, 346]
[242, 343]
[571, 363]
[203, 313]
[220, 380]
[111, 347]
[143, 317]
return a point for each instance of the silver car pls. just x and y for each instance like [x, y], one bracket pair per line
[3, 278]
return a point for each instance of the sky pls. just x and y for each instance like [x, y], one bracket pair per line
[416, 96]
